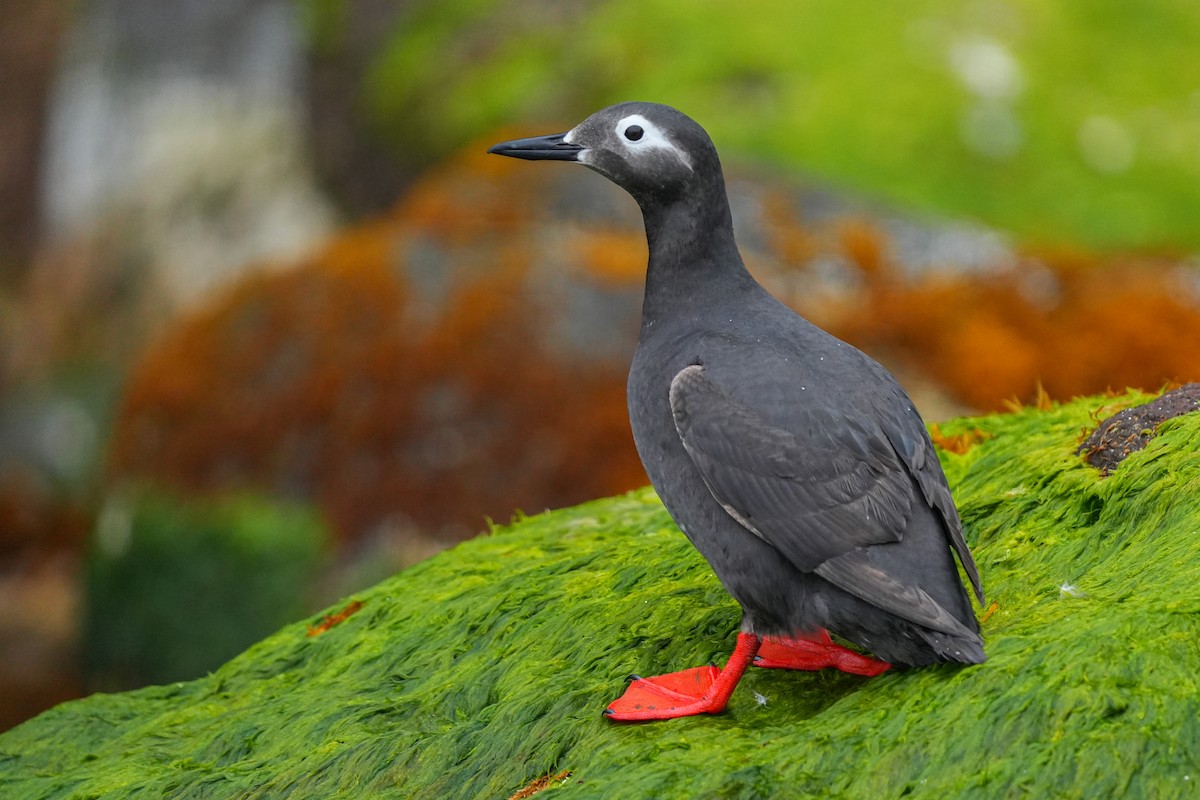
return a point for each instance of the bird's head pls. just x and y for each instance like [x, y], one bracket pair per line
[652, 151]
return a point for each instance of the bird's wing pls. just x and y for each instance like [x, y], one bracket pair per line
[908, 437]
[827, 485]
[820, 492]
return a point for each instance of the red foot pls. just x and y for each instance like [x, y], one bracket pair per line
[814, 652]
[699, 690]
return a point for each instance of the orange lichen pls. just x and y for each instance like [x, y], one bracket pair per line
[1077, 323]
[539, 784]
[615, 257]
[958, 443]
[863, 243]
[790, 240]
[332, 620]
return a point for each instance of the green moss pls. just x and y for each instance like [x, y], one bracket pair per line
[476, 672]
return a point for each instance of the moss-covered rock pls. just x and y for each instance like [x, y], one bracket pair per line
[480, 671]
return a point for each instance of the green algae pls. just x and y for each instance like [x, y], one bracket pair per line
[480, 670]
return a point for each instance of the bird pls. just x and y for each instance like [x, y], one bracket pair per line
[795, 463]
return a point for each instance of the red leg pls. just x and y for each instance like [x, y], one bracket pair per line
[813, 652]
[701, 690]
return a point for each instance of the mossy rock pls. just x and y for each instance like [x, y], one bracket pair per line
[483, 669]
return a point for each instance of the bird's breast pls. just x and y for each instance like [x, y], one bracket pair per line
[657, 360]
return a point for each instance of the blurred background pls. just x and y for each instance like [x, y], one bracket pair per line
[272, 326]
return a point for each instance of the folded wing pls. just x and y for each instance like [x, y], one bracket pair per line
[821, 491]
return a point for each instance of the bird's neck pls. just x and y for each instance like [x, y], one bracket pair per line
[692, 250]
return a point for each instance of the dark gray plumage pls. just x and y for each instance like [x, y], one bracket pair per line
[794, 463]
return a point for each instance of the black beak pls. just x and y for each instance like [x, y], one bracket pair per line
[539, 148]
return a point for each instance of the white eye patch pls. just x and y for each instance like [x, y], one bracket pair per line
[636, 132]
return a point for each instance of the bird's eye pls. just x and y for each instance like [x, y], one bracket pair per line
[634, 132]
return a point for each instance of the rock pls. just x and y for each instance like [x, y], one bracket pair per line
[484, 669]
[1130, 429]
